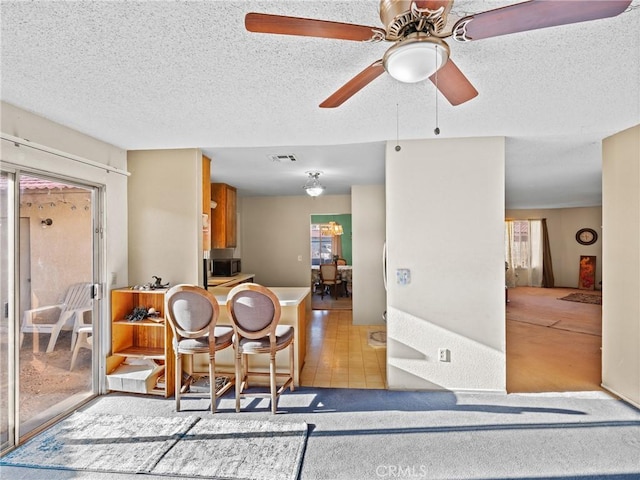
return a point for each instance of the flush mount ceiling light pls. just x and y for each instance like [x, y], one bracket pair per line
[313, 186]
[415, 58]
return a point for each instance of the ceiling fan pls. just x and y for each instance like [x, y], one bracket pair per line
[417, 28]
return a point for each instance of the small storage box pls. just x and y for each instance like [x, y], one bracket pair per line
[136, 378]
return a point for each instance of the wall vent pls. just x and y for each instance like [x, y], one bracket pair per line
[282, 158]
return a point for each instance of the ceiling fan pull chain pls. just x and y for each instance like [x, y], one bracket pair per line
[397, 127]
[397, 121]
[437, 129]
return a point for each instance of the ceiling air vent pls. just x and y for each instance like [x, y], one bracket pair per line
[282, 158]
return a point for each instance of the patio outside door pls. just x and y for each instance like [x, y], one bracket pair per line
[51, 263]
[7, 377]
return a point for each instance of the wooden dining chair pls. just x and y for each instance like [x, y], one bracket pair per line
[330, 278]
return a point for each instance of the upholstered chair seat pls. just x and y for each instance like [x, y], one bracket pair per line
[222, 336]
[284, 335]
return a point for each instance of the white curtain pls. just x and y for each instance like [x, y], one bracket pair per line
[535, 253]
[510, 274]
[524, 261]
[336, 245]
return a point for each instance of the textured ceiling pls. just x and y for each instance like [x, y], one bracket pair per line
[157, 74]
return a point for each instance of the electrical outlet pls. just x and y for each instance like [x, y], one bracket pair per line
[299, 258]
[444, 355]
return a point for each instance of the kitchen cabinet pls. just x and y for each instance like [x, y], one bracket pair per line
[142, 357]
[206, 210]
[223, 217]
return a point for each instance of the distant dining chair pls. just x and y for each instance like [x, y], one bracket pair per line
[255, 312]
[329, 278]
[77, 301]
[192, 313]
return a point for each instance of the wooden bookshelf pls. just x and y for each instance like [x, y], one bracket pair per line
[146, 339]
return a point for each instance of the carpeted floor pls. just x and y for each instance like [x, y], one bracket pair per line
[542, 306]
[378, 434]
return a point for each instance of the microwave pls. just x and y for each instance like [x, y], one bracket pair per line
[225, 267]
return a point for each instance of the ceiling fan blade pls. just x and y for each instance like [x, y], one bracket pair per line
[453, 84]
[533, 15]
[354, 85]
[308, 27]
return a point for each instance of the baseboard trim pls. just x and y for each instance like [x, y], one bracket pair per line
[620, 395]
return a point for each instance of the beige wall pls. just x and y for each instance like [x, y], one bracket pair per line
[368, 225]
[275, 241]
[562, 224]
[445, 222]
[165, 203]
[621, 250]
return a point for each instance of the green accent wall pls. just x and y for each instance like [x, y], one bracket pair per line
[344, 220]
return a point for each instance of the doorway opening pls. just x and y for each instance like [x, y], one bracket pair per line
[331, 243]
[553, 334]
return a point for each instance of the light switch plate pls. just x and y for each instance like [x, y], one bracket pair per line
[403, 276]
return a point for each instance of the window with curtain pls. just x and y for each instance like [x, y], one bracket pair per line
[524, 253]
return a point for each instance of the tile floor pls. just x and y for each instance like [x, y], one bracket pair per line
[338, 353]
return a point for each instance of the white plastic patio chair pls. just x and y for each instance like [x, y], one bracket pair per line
[76, 302]
[84, 340]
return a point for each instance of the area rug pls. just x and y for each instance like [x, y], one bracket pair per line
[237, 450]
[190, 447]
[330, 303]
[377, 338]
[583, 298]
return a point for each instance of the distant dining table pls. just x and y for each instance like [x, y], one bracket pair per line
[345, 271]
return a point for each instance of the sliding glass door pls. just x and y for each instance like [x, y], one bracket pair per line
[7, 272]
[48, 276]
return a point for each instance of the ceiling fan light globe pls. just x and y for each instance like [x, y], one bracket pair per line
[415, 58]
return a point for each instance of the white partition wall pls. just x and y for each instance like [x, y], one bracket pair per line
[445, 223]
[369, 295]
[621, 264]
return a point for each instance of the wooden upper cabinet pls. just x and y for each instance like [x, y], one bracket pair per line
[206, 185]
[206, 203]
[223, 224]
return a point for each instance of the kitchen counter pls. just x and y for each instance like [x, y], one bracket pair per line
[230, 281]
[288, 296]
